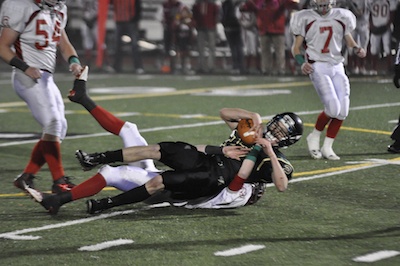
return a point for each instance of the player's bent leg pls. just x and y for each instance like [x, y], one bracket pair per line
[131, 137]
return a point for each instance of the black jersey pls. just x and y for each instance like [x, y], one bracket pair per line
[235, 140]
[194, 174]
[263, 168]
[262, 171]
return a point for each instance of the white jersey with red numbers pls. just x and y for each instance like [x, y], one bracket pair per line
[323, 34]
[40, 31]
[380, 11]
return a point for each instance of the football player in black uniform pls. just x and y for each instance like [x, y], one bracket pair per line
[197, 173]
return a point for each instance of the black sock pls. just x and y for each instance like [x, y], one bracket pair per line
[134, 195]
[85, 101]
[111, 157]
[65, 197]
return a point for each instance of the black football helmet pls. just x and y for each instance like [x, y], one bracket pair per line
[287, 128]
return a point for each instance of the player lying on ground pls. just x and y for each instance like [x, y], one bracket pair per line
[200, 179]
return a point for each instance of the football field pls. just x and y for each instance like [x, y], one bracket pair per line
[343, 212]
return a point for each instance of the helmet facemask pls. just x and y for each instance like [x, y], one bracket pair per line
[284, 129]
[323, 6]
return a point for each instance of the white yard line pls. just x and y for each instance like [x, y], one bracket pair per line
[238, 251]
[107, 244]
[376, 256]
[18, 234]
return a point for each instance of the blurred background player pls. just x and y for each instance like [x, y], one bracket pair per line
[248, 23]
[360, 35]
[184, 38]
[322, 30]
[206, 16]
[232, 29]
[271, 19]
[127, 16]
[170, 9]
[88, 29]
[30, 35]
[381, 17]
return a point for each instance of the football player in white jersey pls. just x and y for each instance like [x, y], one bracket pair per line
[322, 31]
[32, 31]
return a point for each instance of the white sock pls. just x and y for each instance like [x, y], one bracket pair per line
[328, 142]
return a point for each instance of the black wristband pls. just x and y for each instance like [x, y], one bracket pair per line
[18, 63]
[213, 150]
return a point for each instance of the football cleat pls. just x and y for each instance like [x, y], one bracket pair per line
[84, 74]
[88, 161]
[313, 146]
[23, 181]
[61, 185]
[258, 190]
[78, 92]
[35, 194]
[94, 206]
[51, 202]
[328, 153]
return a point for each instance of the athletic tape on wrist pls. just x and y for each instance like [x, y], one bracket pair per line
[299, 59]
[18, 63]
[73, 59]
[252, 155]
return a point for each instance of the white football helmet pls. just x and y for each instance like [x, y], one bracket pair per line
[323, 6]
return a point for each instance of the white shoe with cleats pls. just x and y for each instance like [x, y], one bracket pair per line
[313, 146]
[328, 153]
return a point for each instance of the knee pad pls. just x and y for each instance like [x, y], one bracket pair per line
[125, 177]
[56, 127]
[131, 136]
